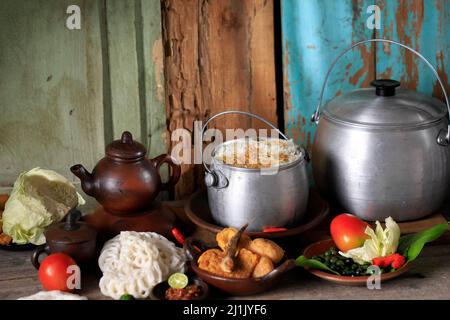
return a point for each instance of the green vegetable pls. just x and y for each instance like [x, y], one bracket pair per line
[38, 199]
[127, 297]
[178, 280]
[411, 245]
[304, 262]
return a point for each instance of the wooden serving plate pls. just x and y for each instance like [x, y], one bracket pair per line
[234, 286]
[320, 247]
[197, 210]
[156, 219]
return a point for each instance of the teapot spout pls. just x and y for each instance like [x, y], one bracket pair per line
[86, 178]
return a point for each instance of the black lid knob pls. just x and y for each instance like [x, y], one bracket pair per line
[385, 87]
[72, 220]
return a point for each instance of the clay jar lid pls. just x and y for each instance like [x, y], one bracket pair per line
[125, 148]
[71, 231]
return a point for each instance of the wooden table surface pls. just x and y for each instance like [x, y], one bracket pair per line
[429, 278]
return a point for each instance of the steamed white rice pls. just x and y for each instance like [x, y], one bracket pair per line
[257, 153]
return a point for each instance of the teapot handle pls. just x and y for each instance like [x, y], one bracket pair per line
[176, 169]
[442, 139]
[37, 252]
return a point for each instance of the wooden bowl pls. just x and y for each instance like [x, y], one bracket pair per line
[197, 210]
[159, 291]
[233, 286]
[320, 247]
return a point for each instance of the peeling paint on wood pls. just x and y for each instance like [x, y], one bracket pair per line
[314, 33]
[423, 25]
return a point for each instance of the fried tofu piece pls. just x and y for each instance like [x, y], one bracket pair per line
[267, 248]
[224, 236]
[264, 266]
[246, 262]
[5, 239]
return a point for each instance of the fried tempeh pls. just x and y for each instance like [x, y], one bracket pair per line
[5, 239]
[224, 236]
[245, 263]
[3, 199]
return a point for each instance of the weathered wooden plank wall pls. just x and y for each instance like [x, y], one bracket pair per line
[219, 55]
[51, 112]
[316, 31]
[135, 61]
[65, 93]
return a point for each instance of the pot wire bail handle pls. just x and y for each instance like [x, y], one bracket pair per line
[442, 140]
[211, 177]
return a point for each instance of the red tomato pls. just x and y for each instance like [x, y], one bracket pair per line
[53, 272]
[347, 231]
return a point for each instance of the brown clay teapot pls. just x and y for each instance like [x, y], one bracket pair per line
[72, 237]
[125, 181]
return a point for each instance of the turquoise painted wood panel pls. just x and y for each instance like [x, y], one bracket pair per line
[424, 26]
[314, 33]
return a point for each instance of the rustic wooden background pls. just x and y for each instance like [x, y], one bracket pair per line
[219, 55]
[65, 93]
[152, 66]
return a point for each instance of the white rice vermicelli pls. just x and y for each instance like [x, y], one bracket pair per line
[134, 262]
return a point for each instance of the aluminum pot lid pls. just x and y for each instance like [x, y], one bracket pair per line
[385, 106]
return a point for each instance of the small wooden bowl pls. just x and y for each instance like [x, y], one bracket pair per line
[233, 286]
[159, 291]
[320, 247]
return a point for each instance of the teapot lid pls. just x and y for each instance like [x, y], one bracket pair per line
[71, 231]
[385, 107]
[126, 148]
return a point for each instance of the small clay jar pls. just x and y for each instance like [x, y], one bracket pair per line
[72, 237]
[125, 181]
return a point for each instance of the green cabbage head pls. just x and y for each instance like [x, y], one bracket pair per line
[38, 199]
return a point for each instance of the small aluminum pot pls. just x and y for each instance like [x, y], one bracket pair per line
[242, 195]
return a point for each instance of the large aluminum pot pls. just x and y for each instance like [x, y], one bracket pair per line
[243, 195]
[383, 152]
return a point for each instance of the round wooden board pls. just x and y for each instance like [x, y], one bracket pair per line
[197, 210]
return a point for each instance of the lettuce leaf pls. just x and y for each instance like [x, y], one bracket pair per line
[381, 243]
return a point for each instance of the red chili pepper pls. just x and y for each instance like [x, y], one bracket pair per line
[274, 229]
[395, 260]
[178, 235]
[399, 261]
